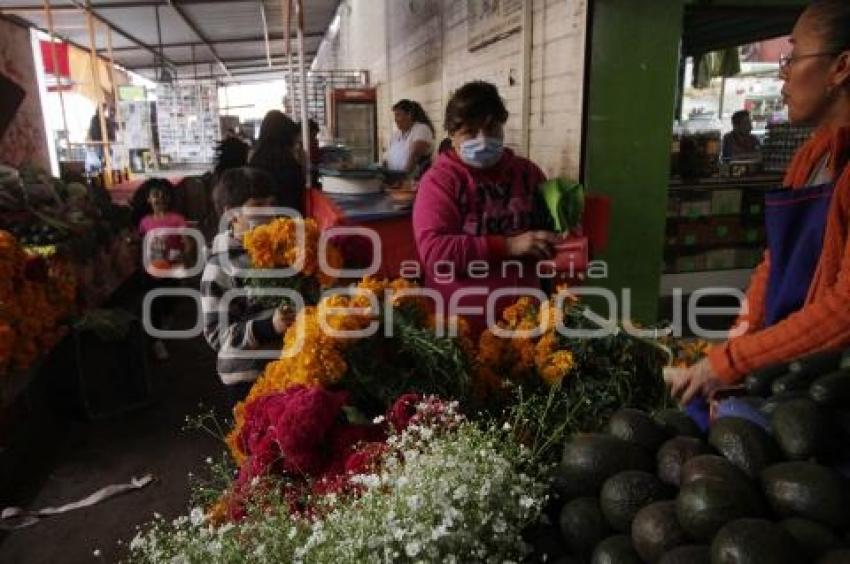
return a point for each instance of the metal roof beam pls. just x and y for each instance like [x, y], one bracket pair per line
[259, 60]
[255, 76]
[116, 5]
[266, 32]
[96, 15]
[197, 31]
[227, 41]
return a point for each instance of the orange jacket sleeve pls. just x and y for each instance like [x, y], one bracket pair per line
[754, 314]
[814, 327]
[820, 325]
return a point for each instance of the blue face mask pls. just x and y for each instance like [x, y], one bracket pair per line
[481, 152]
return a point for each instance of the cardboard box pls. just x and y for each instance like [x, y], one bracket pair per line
[695, 208]
[721, 259]
[754, 235]
[721, 230]
[726, 202]
[748, 258]
[691, 263]
[755, 209]
[752, 202]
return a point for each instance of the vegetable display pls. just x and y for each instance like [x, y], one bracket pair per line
[767, 483]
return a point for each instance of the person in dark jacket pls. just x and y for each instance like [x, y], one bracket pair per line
[275, 154]
[231, 152]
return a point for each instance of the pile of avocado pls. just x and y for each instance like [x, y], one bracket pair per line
[655, 489]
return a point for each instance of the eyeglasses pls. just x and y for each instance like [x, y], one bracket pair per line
[785, 61]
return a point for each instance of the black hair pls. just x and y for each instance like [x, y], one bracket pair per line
[312, 128]
[475, 104]
[238, 185]
[833, 21]
[230, 153]
[276, 141]
[739, 116]
[139, 200]
[416, 112]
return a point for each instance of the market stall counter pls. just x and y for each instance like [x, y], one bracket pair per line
[391, 221]
[378, 212]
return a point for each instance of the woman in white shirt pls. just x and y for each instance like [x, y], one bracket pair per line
[412, 142]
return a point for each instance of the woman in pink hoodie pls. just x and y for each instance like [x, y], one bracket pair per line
[479, 220]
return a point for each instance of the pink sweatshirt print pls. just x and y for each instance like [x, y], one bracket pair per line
[463, 214]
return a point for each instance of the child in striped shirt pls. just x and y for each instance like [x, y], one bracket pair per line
[234, 327]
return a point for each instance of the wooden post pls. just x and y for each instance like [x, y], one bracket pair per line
[302, 70]
[289, 107]
[118, 120]
[525, 102]
[95, 73]
[49, 15]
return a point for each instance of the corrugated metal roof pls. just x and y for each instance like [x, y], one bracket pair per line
[709, 28]
[234, 28]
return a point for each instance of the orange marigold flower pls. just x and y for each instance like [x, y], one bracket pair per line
[486, 383]
[277, 245]
[557, 366]
[491, 349]
[218, 513]
[523, 355]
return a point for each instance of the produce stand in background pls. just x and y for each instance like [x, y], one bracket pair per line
[65, 248]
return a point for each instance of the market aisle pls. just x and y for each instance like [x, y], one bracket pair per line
[93, 455]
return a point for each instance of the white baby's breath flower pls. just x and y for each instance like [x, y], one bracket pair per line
[367, 480]
[499, 526]
[442, 495]
[378, 420]
[461, 492]
[414, 502]
[96, 553]
[196, 516]
[412, 549]
[214, 547]
[137, 542]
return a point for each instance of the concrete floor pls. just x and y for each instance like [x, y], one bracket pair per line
[69, 458]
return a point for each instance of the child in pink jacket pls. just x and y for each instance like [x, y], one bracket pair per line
[478, 206]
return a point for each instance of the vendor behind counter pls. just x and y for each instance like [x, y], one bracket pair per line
[412, 143]
[740, 143]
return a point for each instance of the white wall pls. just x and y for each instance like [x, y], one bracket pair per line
[417, 49]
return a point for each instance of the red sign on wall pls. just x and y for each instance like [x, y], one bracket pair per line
[61, 58]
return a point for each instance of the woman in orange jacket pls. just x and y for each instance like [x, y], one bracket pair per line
[799, 296]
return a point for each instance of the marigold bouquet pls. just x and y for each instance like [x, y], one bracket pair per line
[562, 382]
[526, 359]
[290, 243]
[36, 295]
[375, 368]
